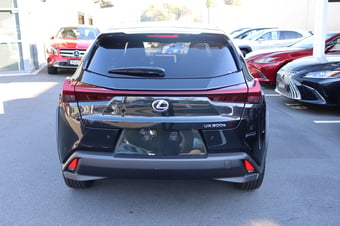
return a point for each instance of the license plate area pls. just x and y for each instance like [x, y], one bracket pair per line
[160, 143]
[74, 62]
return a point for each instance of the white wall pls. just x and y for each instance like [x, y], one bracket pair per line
[39, 20]
[274, 13]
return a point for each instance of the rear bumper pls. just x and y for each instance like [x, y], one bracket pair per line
[227, 167]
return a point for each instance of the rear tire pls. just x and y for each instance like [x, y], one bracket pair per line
[77, 184]
[252, 185]
[52, 70]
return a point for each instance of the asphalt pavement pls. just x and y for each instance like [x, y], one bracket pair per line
[301, 184]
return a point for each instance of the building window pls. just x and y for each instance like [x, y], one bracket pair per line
[90, 20]
[81, 18]
[7, 4]
[10, 38]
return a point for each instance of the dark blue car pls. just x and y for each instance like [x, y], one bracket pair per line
[311, 80]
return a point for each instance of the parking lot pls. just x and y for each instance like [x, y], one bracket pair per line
[300, 186]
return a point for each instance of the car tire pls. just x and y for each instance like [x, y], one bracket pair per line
[252, 185]
[77, 184]
[52, 70]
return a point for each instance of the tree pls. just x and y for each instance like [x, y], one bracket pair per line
[166, 12]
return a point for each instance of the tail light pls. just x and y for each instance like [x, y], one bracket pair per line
[73, 91]
[249, 94]
[67, 93]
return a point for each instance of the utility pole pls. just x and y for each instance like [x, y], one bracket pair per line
[321, 8]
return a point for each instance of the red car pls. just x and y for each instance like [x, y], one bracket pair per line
[69, 46]
[264, 65]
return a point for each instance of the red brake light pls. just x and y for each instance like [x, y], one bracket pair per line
[162, 36]
[250, 94]
[255, 95]
[85, 92]
[67, 94]
[73, 91]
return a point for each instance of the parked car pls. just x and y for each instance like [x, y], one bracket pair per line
[310, 80]
[245, 32]
[131, 110]
[68, 46]
[271, 38]
[264, 65]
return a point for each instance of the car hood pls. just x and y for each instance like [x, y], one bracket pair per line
[311, 62]
[272, 51]
[72, 43]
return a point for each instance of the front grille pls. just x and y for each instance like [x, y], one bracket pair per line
[72, 53]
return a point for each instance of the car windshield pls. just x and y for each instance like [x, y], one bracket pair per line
[307, 43]
[254, 35]
[163, 55]
[77, 33]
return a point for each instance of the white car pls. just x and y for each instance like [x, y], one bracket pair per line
[271, 38]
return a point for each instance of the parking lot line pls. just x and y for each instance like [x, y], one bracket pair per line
[326, 121]
[272, 95]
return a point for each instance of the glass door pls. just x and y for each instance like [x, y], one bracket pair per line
[10, 38]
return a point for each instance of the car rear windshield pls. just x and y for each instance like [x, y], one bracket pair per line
[175, 55]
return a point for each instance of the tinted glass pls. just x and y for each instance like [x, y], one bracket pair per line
[78, 33]
[181, 56]
[307, 43]
[289, 35]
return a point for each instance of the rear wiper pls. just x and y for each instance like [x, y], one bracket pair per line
[139, 71]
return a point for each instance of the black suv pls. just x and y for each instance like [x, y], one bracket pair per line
[162, 101]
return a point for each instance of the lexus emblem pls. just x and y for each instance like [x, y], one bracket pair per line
[76, 53]
[160, 105]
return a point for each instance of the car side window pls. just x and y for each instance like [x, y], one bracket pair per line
[289, 35]
[265, 37]
[334, 45]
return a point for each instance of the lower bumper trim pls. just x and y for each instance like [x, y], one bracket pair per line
[225, 167]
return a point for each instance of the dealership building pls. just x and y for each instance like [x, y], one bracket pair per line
[27, 25]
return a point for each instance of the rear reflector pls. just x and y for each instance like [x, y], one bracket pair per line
[248, 166]
[73, 165]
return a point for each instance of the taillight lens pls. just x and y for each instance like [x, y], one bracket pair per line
[249, 94]
[255, 95]
[73, 91]
[67, 93]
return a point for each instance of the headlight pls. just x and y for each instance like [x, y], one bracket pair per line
[287, 74]
[52, 50]
[323, 74]
[266, 60]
